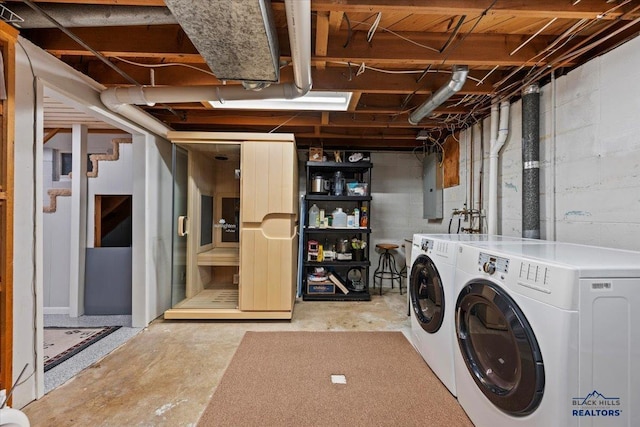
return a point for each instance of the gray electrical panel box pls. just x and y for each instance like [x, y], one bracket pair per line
[432, 179]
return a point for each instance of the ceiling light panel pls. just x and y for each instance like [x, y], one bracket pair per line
[312, 101]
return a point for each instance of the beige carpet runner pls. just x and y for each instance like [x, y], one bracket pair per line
[330, 379]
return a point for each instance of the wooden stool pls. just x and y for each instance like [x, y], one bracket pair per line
[387, 266]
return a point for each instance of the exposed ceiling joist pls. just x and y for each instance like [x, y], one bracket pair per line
[391, 54]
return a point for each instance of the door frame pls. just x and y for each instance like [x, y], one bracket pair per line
[8, 36]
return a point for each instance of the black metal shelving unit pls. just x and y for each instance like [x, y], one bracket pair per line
[326, 236]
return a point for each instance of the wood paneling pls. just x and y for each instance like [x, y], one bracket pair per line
[451, 163]
[8, 37]
[268, 210]
[266, 266]
[267, 234]
[268, 178]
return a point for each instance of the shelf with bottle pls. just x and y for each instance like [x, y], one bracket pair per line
[337, 263]
[331, 198]
[362, 230]
[336, 231]
[356, 219]
[361, 165]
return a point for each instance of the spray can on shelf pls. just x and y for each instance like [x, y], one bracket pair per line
[356, 216]
[364, 219]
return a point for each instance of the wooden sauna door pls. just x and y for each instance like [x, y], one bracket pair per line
[268, 233]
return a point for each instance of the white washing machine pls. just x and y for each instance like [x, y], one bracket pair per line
[431, 298]
[547, 335]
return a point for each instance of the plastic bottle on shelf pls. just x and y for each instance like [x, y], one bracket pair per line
[356, 216]
[364, 218]
[314, 216]
[339, 218]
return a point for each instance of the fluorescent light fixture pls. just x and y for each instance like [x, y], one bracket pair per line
[318, 101]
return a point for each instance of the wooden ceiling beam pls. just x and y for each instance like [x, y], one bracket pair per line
[476, 50]
[335, 20]
[151, 41]
[322, 36]
[106, 2]
[533, 9]
[360, 110]
[363, 136]
[168, 43]
[331, 78]
[288, 118]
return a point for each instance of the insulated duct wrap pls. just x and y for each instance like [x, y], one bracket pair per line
[531, 162]
[237, 39]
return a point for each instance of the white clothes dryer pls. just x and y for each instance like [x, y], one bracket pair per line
[431, 298]
[547, 335]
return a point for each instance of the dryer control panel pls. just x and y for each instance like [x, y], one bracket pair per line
[426, 245]
[492, 263]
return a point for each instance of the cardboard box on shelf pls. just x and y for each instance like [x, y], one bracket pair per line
[315, 154]
[321, 288]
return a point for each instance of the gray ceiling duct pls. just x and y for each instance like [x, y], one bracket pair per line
[458, 77]
[92, 15]
[120, 99]
[237, 39]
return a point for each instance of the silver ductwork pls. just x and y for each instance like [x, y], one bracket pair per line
[237, 39]
[458, 77]
[92, 15]
[119, 99]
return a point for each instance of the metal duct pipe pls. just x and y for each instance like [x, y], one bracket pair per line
[92, 15]
[531, 162]
[299, 21]
[499, 133]
[458, 77]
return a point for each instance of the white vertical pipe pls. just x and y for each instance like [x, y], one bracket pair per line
[551, 171]
[466, 163]
[477, 177]
[494, 153]
[492, 214]
[471, 172]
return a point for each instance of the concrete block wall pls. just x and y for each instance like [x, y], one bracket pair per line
[589, 186]
[396, 209]
[597, 185]
[589, 156]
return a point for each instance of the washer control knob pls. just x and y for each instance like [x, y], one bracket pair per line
[489, 267]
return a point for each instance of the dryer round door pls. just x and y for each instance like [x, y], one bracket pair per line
[427, 294]
[499, 348]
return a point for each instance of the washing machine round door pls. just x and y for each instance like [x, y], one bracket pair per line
[499, 348]
[427, 294]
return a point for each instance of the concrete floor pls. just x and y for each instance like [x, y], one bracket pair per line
[166, 374]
